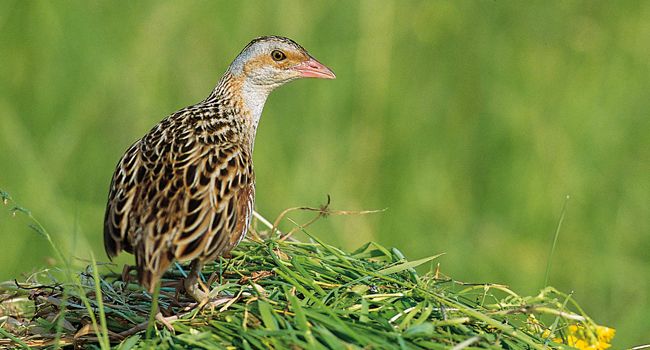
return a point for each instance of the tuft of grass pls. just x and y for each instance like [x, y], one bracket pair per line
[286, 293]
[555, 238]
[275, 292]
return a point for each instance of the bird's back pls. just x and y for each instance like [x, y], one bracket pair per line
[184, 191]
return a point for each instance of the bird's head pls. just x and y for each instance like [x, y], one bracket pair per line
[271, 61]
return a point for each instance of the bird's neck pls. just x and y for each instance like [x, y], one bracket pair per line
[253, 98]
[244, 100]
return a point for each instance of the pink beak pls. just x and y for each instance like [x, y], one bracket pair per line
[314, 69]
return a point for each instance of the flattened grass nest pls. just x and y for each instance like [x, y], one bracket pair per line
[284, 294]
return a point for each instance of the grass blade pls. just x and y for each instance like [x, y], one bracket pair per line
[407, 265]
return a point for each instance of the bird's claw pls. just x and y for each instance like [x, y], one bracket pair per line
[203, 297]
[167, 321]
[213, 303]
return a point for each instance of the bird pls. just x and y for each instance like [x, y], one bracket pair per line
[185, 191]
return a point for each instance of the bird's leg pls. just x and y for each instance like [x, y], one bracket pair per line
[126, 273]
[191, 283]
[193, 288]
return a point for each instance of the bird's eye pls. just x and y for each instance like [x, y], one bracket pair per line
[278, 55]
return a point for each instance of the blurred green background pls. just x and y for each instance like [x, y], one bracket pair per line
[471, 121]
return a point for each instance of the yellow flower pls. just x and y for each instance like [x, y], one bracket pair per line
[605, 334]
[581, 337]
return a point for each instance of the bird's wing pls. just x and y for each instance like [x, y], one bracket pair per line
[218, 190]
[179, 198]
[195, 208]
[123, 191]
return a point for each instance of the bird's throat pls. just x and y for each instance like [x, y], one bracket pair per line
[244, 98]
[253, 100]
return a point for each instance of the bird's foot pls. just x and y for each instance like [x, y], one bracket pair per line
[196, 289]
[167, 321]
[215, 302]
[204, 298]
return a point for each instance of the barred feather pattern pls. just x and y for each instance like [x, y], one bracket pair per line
[185, 190]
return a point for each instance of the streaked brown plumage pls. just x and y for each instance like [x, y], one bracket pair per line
[185, 191]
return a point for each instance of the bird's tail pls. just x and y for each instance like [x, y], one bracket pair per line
[149, 274]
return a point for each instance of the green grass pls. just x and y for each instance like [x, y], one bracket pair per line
[281, 293]
[470, 121]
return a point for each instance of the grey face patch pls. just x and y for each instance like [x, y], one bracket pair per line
[260, 46]
[257, 83]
